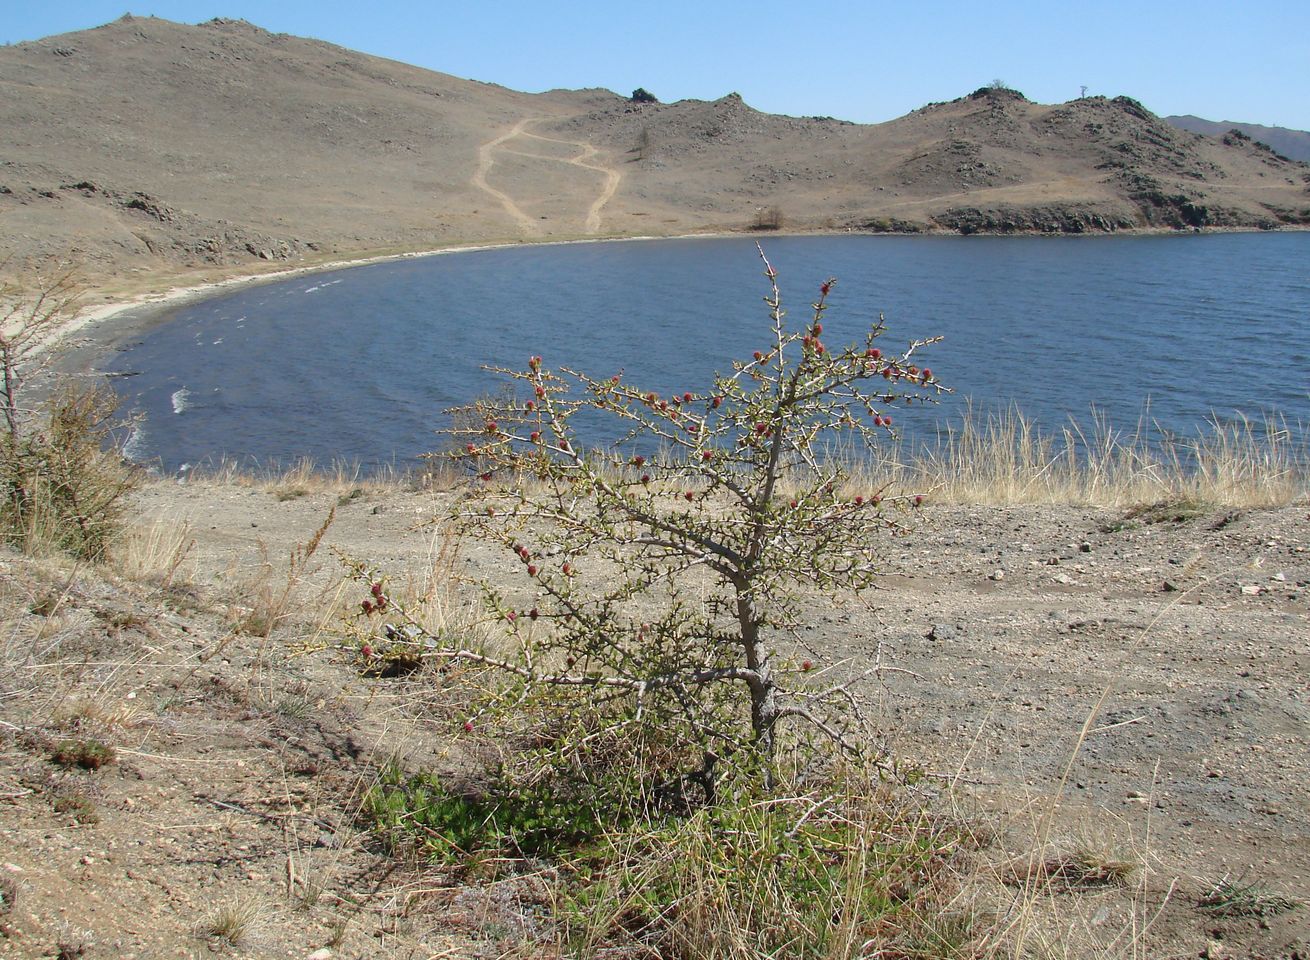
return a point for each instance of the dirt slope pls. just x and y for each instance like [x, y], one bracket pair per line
[146, 146]
[240, 764]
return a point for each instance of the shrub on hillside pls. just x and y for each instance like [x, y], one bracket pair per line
[642, 619]
[62, 482]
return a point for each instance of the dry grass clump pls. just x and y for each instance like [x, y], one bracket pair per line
[271, 597]
[1235, 897]
[844, 868]
[154, 552]
[1082, 867]
[346, 480]
[1005, 458]
[64, 487]
[232, 923]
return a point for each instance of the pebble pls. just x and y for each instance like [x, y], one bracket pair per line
[998, 575]
[323, 953]
[1252, 590]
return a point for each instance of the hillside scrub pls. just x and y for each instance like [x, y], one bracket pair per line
[661, 575]
[63, 483]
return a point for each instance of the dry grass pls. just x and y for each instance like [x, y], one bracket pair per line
[154, 552]
[347, 481]
[999, 459]
[1005, 459]
[1236, 897]
[232, 923]
[271, 597]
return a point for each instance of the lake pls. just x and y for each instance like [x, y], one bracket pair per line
[361, 364]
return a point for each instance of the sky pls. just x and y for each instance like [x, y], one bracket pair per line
[863, 61]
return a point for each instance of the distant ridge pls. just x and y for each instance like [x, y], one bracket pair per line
[1294, 144]
[145, 146]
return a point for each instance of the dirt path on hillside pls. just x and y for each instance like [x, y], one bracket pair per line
[612, 176]
[487, 159]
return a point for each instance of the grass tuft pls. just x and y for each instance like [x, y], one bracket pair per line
[87, 754]
[1082, 868]
[232, 922]
[847, 868]
[1236, 898]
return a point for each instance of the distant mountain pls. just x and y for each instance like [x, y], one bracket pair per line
[1294, 144]
[146, 146]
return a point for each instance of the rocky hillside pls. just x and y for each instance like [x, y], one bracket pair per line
[146, 146]
[991, 161]
[1293, 144]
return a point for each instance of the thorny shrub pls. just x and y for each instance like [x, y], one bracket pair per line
[657, 590]
[62, 480]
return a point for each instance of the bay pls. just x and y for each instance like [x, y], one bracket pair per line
[361, 364]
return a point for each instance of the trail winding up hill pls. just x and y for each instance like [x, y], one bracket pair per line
[145, 146]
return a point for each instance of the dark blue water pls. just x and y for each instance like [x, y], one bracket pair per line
[361, 364]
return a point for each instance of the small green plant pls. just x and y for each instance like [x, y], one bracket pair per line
[454, 825]
[1237, 898]
[88, 754]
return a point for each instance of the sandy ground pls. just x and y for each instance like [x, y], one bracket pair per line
[1182, 646]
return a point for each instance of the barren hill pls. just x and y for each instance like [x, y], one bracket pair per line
[1293, 144]
[146, 145]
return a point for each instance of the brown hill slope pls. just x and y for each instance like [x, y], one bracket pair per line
[1294, 144]
[147, 145]
[989, 161]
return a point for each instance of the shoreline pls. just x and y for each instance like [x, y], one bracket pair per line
[95, 331]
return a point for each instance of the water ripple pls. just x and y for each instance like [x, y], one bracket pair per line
[365, 367]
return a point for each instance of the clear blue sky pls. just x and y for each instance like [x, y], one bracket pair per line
[864, 61]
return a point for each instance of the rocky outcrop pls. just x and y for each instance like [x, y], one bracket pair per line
[1041, 219]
